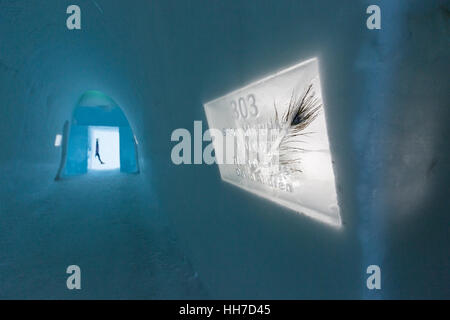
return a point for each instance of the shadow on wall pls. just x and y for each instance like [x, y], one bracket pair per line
[99, 137]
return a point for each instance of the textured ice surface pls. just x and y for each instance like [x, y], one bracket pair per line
[387, 104]
[260, 106]
[107, 223]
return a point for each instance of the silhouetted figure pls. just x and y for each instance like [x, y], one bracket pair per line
[97, 154]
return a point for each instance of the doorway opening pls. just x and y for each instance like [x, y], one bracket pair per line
[104, 148]
[99, 138]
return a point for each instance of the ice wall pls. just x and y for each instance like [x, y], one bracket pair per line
[386, 95]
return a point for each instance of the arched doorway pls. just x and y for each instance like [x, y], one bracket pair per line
[99, 138]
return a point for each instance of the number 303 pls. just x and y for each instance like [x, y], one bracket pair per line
[245, 107]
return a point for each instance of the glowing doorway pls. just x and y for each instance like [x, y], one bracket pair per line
[108, 157]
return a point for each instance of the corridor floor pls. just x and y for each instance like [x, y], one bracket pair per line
[106, 223]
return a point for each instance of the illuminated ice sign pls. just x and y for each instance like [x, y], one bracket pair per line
[274, 141]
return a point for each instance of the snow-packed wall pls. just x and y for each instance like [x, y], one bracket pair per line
[179, 231]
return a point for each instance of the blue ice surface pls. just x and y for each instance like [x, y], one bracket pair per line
[387, 117]
[107, 223]
[96, 109]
